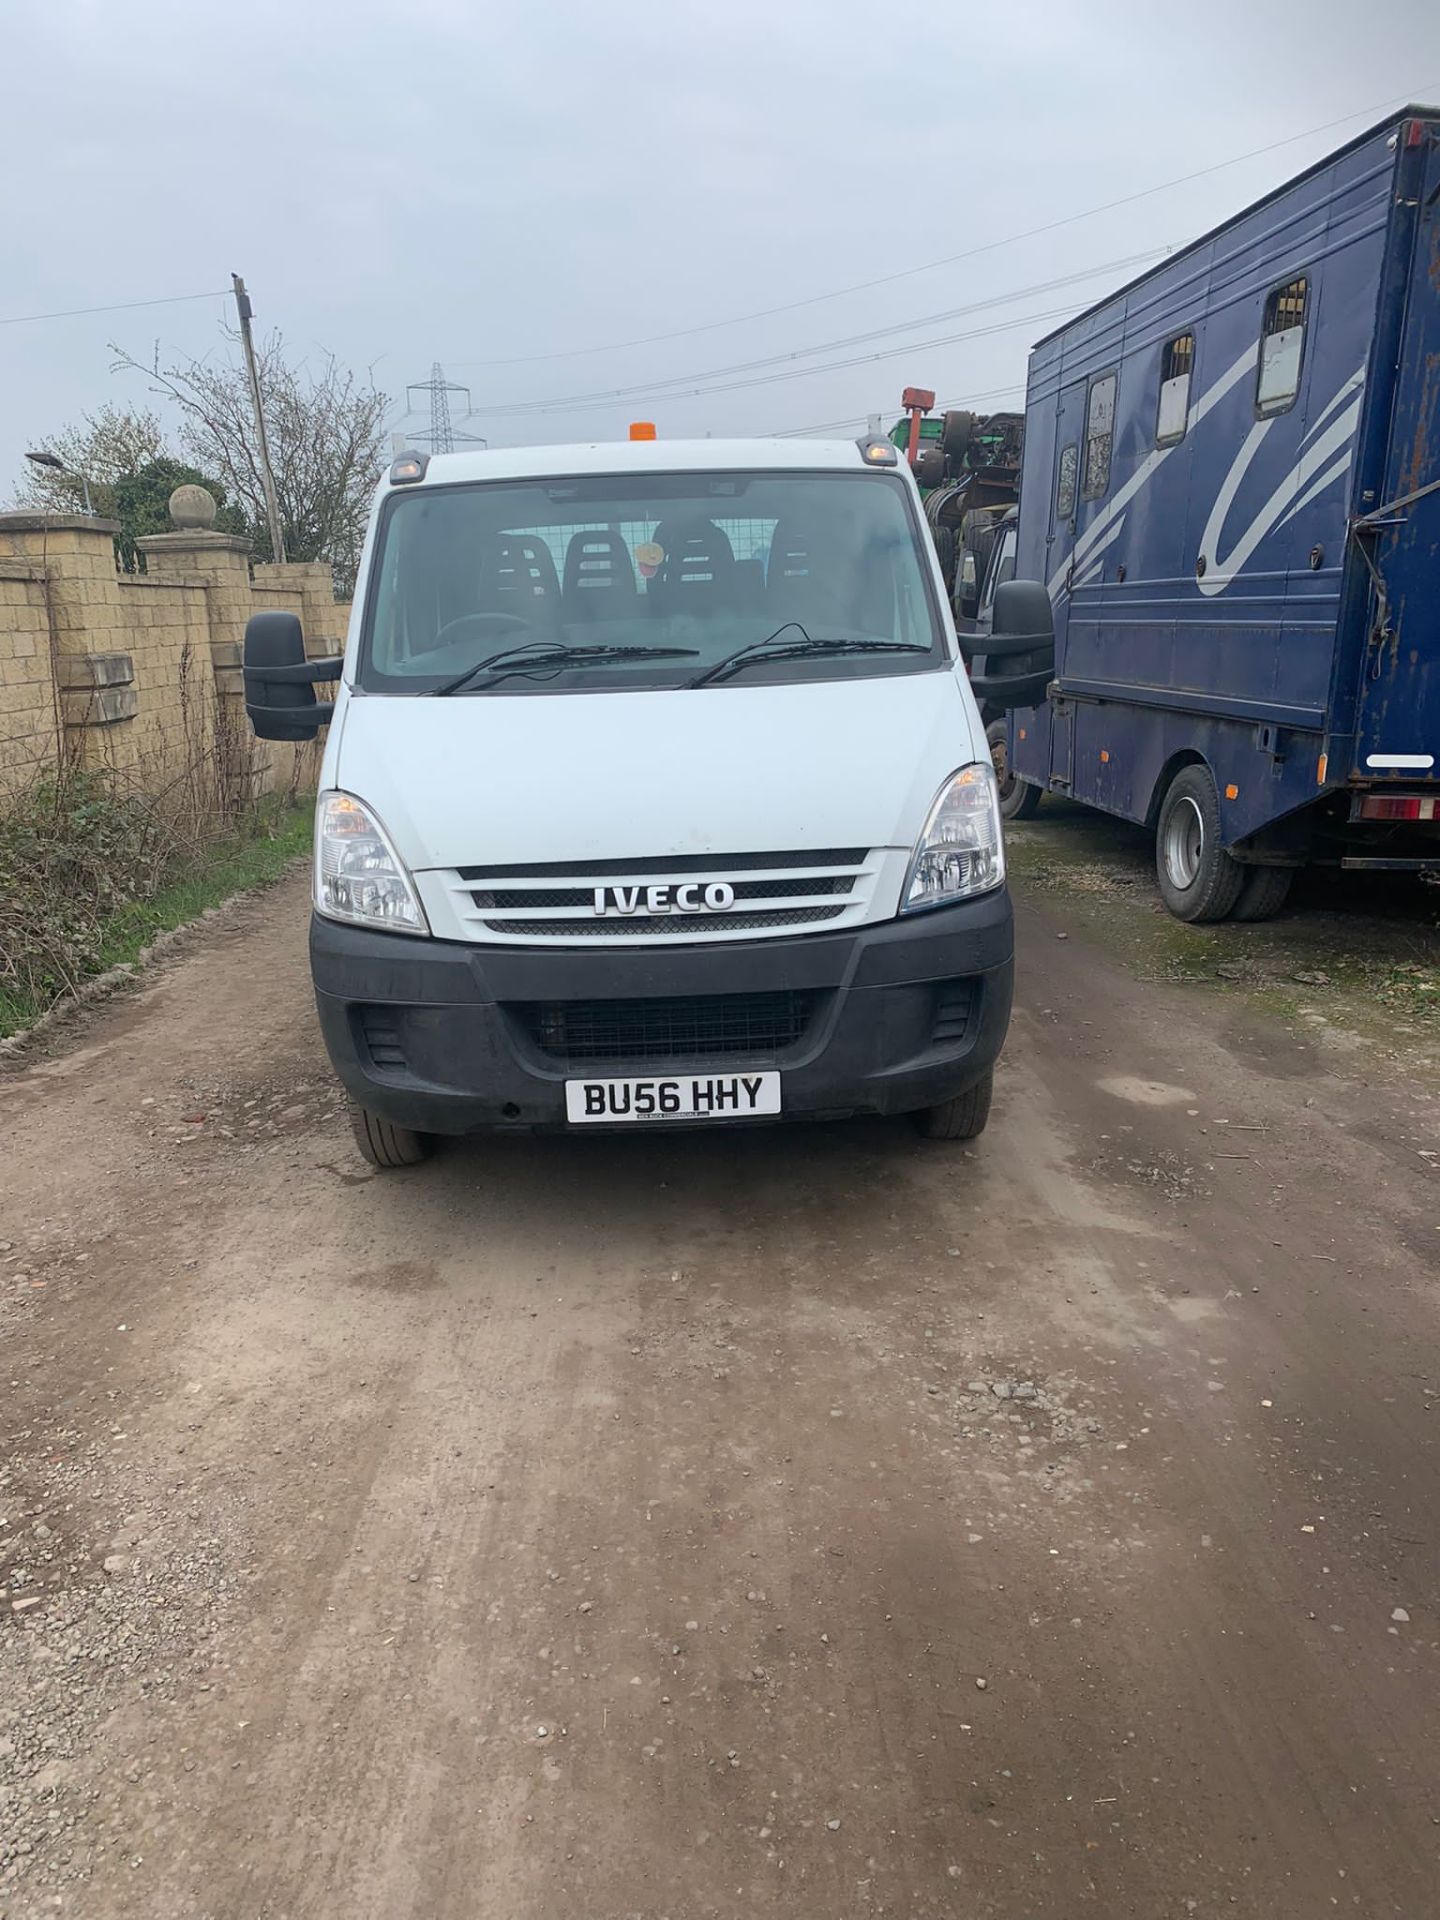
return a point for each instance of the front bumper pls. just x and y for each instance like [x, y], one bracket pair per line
[442, 1036]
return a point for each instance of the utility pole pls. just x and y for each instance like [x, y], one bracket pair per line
[267, 478]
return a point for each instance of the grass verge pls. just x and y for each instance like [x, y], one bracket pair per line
[274, 835]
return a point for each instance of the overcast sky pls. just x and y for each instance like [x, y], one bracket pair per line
[520, 190]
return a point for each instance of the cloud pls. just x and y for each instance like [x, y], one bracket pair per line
[461, 180]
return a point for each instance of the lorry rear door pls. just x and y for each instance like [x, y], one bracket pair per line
[1399, 724]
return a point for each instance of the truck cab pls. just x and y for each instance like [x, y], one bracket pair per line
[655, 793]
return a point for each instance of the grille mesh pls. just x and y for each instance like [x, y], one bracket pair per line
[954, 1004]
[381, 1028]
[757, 1025]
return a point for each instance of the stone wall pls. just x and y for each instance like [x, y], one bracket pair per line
[141, 672]
[29, 701]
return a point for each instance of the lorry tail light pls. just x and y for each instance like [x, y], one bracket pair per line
[1397, 806]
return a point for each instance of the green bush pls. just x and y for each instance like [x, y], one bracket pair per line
[92, 866]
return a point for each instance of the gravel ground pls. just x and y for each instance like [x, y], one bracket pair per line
[788, 1522]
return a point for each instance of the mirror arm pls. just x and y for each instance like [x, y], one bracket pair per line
[303, 673]
[1000, 646]
[311, 716]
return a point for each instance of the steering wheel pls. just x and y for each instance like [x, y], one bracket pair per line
[484, 619]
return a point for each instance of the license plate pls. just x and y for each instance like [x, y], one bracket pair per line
[684, 1096]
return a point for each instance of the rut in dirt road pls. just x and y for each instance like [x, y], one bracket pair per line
[627, 1527]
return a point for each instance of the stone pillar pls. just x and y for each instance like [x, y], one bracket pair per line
[322, 616]
[220, 563]
[90, 663]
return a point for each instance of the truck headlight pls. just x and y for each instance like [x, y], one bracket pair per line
[358, 874]
[961, 851]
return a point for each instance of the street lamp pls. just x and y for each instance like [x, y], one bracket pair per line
[53, 461]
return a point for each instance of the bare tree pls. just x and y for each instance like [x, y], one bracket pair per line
[327, 431]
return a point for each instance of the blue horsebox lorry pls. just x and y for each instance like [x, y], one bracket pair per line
[1231, 493]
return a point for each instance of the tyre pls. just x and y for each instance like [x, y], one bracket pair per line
[1198, 879]
[978, 536]
[384, 1144]
[957, 429]
[962, 1118]
[1018, 798]
[1263, 891]
[929, 464]
[946, 552]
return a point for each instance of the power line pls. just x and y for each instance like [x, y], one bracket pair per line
[861, 419]
[952, 259]
[649, 389]
[123, 306]
[836, 366]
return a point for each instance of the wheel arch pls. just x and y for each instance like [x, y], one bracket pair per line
[1185, 757]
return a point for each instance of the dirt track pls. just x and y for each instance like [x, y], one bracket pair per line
[627, 1528]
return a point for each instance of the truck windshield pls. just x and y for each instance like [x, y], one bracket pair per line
[633, 581]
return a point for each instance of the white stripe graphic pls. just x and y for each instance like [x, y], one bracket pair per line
[1325, 459]
[1109, 521]
[1299, 486]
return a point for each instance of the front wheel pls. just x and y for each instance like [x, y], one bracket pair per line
[385, 1145]
[1018, 798]
[962, 1118]
[1198, 879]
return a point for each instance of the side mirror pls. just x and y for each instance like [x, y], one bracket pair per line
[279, 680]
[1015, 661]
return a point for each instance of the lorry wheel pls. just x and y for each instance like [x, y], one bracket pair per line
[946, 552]
[1018, 798]
[962, 1118]
[929, 464]
[384, 1144]
[1263, 891]
[1198, 879]
[957, 430]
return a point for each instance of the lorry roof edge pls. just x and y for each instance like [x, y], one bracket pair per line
[644, 456]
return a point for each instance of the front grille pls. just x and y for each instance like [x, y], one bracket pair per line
[681, 926]
[555, 900]
[508, 897]
[380, 1027]
[758, 1025]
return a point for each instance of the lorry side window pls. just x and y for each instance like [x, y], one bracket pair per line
[1177, 363]
[1099, 435]
[1065, 484]
[1282, 337]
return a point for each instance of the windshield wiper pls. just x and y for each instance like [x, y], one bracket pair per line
[541, 653]
[801, 649]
